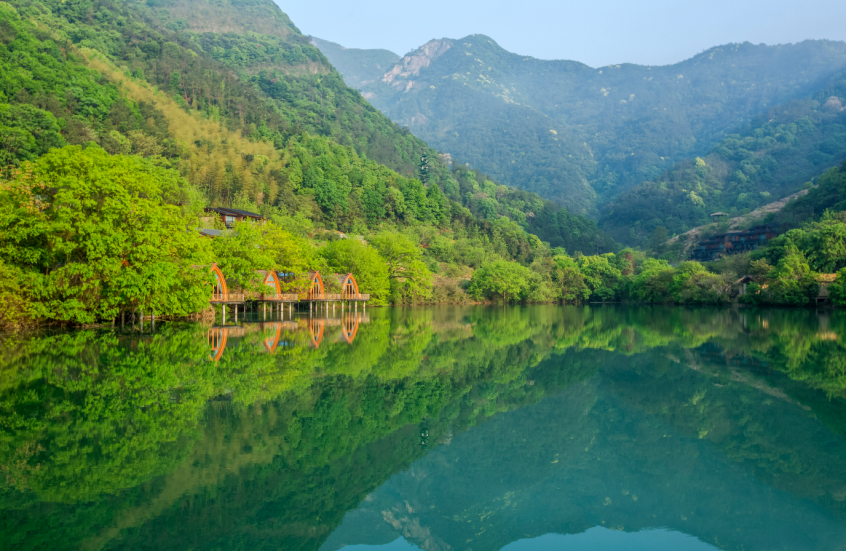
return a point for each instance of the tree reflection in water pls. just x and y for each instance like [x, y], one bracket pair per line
[252, 437]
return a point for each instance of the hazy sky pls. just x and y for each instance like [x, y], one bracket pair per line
[596, 32]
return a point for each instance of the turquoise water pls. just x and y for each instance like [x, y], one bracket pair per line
[519, 428]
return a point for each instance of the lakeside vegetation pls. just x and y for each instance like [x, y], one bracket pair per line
[118, 132]
[121, 121]
[124, 93]
[86, 235]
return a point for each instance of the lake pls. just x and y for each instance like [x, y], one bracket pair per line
[444, 428]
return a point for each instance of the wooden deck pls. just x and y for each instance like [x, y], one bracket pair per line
[241, 298]
[228, 298]
[284, 297]
[339, 297]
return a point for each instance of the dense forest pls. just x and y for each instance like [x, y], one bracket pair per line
[779, 153]
[139, 118]
[257, 121]
[583, 135]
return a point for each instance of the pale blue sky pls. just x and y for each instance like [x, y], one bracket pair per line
[596, 32]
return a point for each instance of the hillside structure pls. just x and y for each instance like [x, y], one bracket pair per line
[732, 242]
[230, 216]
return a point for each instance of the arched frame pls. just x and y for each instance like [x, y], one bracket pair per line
[271, 282]
[350, 328]
[217, 342]
[315, 286]
[315, 329]
[349, 286]
[272, 332]
[220, 288]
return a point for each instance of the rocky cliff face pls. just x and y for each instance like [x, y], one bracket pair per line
[411, 64]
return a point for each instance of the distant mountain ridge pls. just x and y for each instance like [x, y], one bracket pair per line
[778, 153]
[581, 135]
[358, 67]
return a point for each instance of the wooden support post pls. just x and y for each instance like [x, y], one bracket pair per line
[236, 313]
[310, 306]
[122, 316]
[142, 321]
[223, 312]
[356, 307]
[265, 310]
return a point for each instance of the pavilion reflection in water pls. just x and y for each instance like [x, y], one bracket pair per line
[310, 331]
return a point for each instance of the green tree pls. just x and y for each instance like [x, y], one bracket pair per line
[791, 282]
[26, 133]
[569, 280]
[827, 247]
[501, 280]
[838, 288]
[364, 262]
[97, 234]
[600, 274]
[652, 283]
[693, 284]
[243, 250]
[410, 279]
[285, 252]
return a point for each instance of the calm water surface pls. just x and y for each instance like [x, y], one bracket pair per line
[449, 428]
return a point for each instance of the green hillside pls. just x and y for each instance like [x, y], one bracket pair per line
[156, 117]
[248, 95]
[582, 135]
[770, 158]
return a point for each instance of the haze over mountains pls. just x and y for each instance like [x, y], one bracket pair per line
[583, 135]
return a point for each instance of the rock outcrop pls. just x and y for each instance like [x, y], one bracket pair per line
[411, 64]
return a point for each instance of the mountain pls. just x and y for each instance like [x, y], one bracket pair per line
[777, 154]
[581, 135]
[359, 67]
[228, 92]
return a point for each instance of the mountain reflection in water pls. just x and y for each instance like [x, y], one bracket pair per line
[433, 428]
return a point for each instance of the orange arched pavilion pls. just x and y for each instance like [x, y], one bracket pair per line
[349, 288]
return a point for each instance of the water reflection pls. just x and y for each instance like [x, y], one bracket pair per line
[452, 428]
[343, 328]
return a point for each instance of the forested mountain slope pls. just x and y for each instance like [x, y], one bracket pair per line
[774, 156]
[257, 120]
[582, 135]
